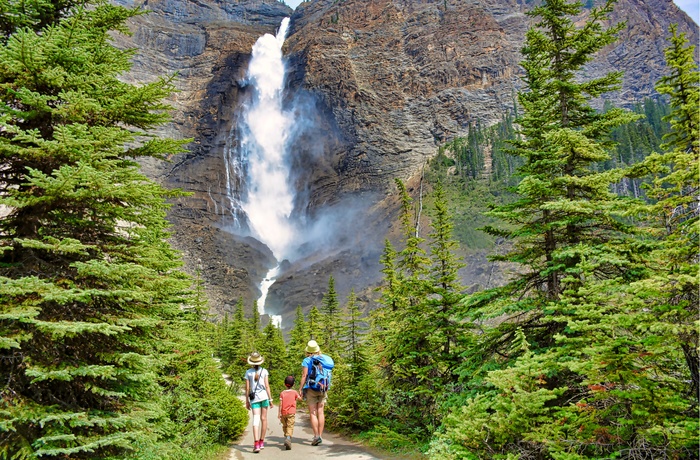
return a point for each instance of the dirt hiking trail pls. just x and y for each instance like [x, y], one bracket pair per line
[335, 447]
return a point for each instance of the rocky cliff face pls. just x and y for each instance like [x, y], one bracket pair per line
[207, 44]
[401, 77]
[385, 82]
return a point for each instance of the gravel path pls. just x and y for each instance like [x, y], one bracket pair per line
[333, 446]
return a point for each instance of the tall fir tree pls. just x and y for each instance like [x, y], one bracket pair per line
[561, 201]
[298, 338]
[255, 329]
[86, 277]
[571, 240]
[330, 308]
[273, 348]
[447, 291]
[675, 191]
[352, 340]
[233, 350]
[406, 348]
[316, 329]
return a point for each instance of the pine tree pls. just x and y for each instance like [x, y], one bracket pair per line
[562, 202]
[406, 350]
[676, 207]
[352, 340]
[255, 329]
[570, 238]
[86, 277]
[447, 291]
[298, 338]
[330, 308]
[272, 347]
[233, 350]
[316, 328]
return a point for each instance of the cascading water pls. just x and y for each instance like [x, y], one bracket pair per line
[258, 167]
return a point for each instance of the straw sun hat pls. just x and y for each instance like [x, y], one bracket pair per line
[255, 359]
[312, 347]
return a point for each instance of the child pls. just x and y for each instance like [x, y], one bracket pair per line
[287, 410]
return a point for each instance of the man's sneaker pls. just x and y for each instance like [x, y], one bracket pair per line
[256, 449]
[316, 441]
[288, 443]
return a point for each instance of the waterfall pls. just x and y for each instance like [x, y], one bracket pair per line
[257, 167]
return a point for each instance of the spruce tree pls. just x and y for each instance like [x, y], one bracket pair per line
[86, 277]
[561, 201]
[568, 235]
[254, 329]
[316, 328]
[405, 343]
[234, 350]
[330, 308]
[298, 338]
[353, 340]
[446, 290]
[675, 190]
[273, 348]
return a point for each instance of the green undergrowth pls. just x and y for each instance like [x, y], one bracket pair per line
[388, 444]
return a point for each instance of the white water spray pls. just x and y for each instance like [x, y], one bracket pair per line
[262, 160]
[265, 129]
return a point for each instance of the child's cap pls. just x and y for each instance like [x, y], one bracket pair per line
[289, 381]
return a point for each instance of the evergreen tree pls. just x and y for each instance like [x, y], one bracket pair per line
[569, 236]
[316, 328]
[234, 351]
[392, 278]
[255, 329]
[201, 411]
[352, 340]
[330, 308]
[86, 277]
[671, 292]
[562, 202]
[272, 347]
[298, 338]
[447, 291]
[407, 351]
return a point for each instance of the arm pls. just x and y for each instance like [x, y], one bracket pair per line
[304, 373]
[279, 408]
[267, 387]
[247, 392]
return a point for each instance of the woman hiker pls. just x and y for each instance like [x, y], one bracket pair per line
[258, 398]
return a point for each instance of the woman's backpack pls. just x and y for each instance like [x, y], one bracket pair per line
[319, 374]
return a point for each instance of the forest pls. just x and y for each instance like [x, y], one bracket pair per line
[588, 351]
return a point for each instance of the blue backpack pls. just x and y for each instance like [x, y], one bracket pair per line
[319, 374]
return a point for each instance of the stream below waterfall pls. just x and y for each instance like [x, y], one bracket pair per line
[264, 288]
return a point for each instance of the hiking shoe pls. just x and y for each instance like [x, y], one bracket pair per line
[256, 449]
[316, 441]
[288, 444]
